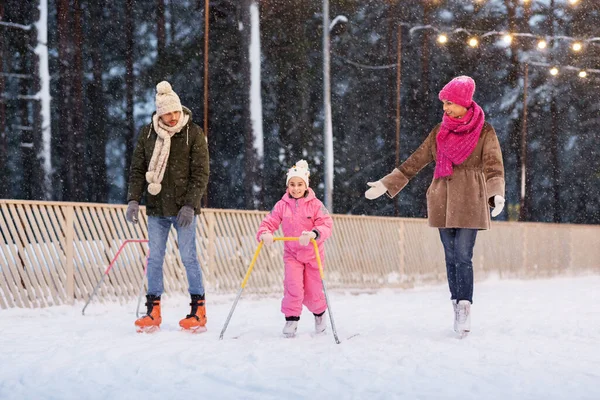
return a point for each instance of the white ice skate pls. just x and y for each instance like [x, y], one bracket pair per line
[290, 328]
[455, 308]
[463, 313]
[320, 324]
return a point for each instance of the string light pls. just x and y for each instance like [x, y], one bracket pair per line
[474, 41]
[542, 44]
[582, 73]
[504, 34]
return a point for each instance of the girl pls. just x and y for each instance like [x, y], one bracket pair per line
[468, 180]
[301, 215]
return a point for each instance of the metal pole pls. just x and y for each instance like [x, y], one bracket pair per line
[141, 291]
[327, 125]
[398, 85]
[93, 293]
[239, 294]
[335, 336]
[206, 32]
[522, 210]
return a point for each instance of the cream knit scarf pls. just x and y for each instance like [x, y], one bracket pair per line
[162, 147]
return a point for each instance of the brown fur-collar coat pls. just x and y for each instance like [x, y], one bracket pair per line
[460, 200]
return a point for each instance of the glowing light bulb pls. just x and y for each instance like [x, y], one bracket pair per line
[582, 74]
[507, 38]
[473, 42]
[573, 2]
[442, 38]
[577, 46]
[542, 44]
[553, 71]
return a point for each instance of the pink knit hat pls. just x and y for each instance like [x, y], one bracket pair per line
[459, 91]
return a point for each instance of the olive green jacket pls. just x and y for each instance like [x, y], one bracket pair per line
[186, 173]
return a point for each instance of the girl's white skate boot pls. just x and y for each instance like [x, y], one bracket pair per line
[320, 323]
[290, 328]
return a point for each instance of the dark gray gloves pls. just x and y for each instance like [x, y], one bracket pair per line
[133, 208]
[185, 216]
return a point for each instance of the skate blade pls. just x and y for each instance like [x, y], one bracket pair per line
[147, 329]
[463, 334]
[289, 335]
[197, 329]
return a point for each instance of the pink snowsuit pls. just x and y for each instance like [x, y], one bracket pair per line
[302, 281]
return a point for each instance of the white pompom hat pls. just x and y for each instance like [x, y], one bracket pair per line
[300, 170]
[166, 99]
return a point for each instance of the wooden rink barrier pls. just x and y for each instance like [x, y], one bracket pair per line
[54, 253]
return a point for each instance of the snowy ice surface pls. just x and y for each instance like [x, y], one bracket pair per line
[530, 340]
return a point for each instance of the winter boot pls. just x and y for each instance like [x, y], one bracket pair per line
[455, 307]
[464, 317]
[151, 321]
[291, 326]
[320, 323]
[195, 321]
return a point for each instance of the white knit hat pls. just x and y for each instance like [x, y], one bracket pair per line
[166, 99]
[300, 170]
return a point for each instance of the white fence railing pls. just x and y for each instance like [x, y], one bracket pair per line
[54, 253]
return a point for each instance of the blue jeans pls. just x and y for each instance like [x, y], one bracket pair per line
[458, 248]
[158, 233]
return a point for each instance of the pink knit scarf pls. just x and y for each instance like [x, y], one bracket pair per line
[457, 139]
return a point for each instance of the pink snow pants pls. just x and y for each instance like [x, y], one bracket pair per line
[302, 285]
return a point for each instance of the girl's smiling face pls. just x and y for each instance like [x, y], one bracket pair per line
[297, 187]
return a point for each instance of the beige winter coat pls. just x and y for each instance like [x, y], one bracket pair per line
[461, 199]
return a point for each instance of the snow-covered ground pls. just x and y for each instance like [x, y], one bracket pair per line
[531, 340]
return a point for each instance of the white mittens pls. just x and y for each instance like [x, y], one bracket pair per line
[498, 205]
[304, 239]
[267, 239]
[377, 189]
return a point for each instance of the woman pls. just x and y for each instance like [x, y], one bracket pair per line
[468, 179]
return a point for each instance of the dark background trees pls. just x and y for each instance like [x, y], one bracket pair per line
[106, 60]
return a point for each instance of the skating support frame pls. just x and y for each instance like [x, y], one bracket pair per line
[249, 271]
[114, 260]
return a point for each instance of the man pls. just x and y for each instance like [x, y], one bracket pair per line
[171, 157]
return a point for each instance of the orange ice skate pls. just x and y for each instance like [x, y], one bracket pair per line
[150, 322]
[195, 321]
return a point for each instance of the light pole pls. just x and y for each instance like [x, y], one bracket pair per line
[327, 125]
